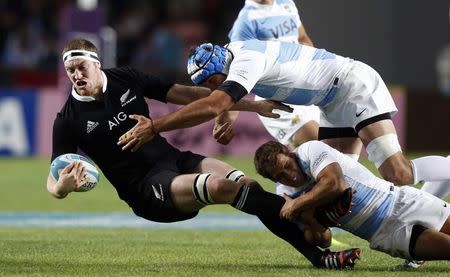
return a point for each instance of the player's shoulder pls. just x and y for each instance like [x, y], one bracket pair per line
[121, 72]
[249, 46]
[313, 147]
[286, 2]
[68, 109]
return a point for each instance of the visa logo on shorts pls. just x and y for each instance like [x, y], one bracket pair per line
[116, 120]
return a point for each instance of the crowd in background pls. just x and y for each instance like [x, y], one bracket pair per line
[152, 35]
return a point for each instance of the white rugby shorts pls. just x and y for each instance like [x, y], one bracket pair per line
[283, 128]
[362, 94]
[411, 207]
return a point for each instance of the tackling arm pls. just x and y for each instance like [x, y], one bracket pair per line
[330, 184]
[194, 113]
[184, 95]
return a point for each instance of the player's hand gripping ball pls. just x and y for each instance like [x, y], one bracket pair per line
[92, 175]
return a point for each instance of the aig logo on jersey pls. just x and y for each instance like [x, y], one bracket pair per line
[116, 120]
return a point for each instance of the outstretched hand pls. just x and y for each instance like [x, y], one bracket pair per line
[223, 127]
[288, 210]
[266, 108]
[141, 133]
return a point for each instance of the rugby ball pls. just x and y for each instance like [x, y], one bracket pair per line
[60, 162]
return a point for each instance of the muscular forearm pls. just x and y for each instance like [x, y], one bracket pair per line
[57, 189]
[245, 106]
[188, 116]
[183, 95]
[325, 190]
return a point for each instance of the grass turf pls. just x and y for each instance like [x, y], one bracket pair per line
[23, 183]
[151, 252]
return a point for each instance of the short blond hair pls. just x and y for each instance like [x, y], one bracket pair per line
[80, 44]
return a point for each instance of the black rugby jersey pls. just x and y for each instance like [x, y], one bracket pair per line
[94, 127]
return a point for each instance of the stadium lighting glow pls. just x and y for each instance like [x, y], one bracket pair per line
[87, 5]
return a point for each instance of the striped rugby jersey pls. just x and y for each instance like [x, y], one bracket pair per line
[373, 197]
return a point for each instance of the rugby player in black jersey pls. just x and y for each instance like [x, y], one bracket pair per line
[158, 181]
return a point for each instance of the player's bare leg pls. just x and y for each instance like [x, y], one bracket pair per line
[384, 150]
[434, 245]
[309, 131]
[348, 146]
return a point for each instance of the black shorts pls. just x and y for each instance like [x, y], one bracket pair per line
[153, 200]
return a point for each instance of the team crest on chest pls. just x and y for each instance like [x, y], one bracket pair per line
[126, 98]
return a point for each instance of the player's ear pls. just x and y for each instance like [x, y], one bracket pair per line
[291, 155]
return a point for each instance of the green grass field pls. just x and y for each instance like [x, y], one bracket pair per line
[151, 252]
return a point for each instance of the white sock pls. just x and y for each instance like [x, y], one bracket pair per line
[431, 168]
[439, 188]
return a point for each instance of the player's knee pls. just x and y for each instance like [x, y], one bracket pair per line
[221, 186]
[201, 189]
[211, 189]
[382, 148]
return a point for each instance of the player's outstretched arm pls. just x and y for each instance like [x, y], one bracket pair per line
[184, 95]
[70, 178]
[192, 114]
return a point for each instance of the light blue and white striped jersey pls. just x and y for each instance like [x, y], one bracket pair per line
[373, 197]
[279, 21]
[287, 72]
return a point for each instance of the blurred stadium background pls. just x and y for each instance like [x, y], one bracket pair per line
[406, 41]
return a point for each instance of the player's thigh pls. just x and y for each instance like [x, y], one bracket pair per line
[191, 192]
[215, 166]
[432, 245]
[182, 194]
[309, 131]
[446, 227]
[346, 145]
[375, 130]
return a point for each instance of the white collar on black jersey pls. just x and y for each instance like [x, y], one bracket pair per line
[90, 98]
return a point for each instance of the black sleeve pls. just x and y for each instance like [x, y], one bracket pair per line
[234, 89]
[152, 86]
[64, 141]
